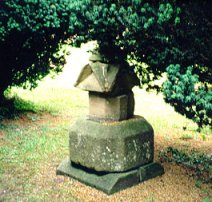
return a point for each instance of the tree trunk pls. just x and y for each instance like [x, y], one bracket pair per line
[2, 90]
[2, 98]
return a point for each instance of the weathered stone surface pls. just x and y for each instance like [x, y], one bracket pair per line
[102, 107]
[97, 77]
[124, 83]
[117, 108]
[96, 57]
[130, 105]
[87, 80]
[110, 182]
[102, 77]
[150, 171]
[112, 147]
[105, 74]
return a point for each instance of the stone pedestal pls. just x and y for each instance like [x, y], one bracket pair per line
[111, 149]
[111, 146]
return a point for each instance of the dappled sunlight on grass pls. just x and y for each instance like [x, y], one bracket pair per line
[55, 100]
[57, 95]
[161, 115]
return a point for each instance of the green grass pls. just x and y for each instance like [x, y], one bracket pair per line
[26, 149]
[24, 152]
[52, 100]
[26, 144]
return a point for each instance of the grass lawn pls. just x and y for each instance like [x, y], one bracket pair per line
[34, 142]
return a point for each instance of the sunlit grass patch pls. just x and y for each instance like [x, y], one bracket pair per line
[52, 100]
[187, 136]
[31, 143]
[161, 115]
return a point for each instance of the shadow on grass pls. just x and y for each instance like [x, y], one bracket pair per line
[11, 108]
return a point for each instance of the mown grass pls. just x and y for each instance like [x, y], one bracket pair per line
[30, 144]
[23, 149]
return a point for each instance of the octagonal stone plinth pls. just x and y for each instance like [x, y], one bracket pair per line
[111, 146]
[110, 182]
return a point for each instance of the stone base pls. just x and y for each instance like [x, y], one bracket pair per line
[111, 146]
[109, 182]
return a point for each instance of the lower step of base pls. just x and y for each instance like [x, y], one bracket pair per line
[110, 182]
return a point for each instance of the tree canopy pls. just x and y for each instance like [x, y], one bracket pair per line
[31, 33]
[154, 33]
[150, 35]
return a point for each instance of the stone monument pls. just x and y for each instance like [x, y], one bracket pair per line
[110, 149]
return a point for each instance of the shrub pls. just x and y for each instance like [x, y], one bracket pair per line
[187, 96]
[198, 164]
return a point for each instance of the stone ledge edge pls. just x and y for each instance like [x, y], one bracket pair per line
[112, 182]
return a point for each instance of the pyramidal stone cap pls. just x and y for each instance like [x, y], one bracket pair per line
[105, 77]
[98, 77]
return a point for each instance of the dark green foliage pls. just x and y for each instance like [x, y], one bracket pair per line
[192, 41]
[155, 33]
[31, 32]
[198, 164]
[189, 99]
[192, 38]
[13, 107]
[132, 30]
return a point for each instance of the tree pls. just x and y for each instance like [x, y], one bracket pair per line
[31, 33]
[131, 30]
[154, 33]
[188, 85]
[149, 35]
[189, 99]
[193, 38]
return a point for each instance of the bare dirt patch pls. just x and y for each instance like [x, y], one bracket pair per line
[174, 185]
[39, 118]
